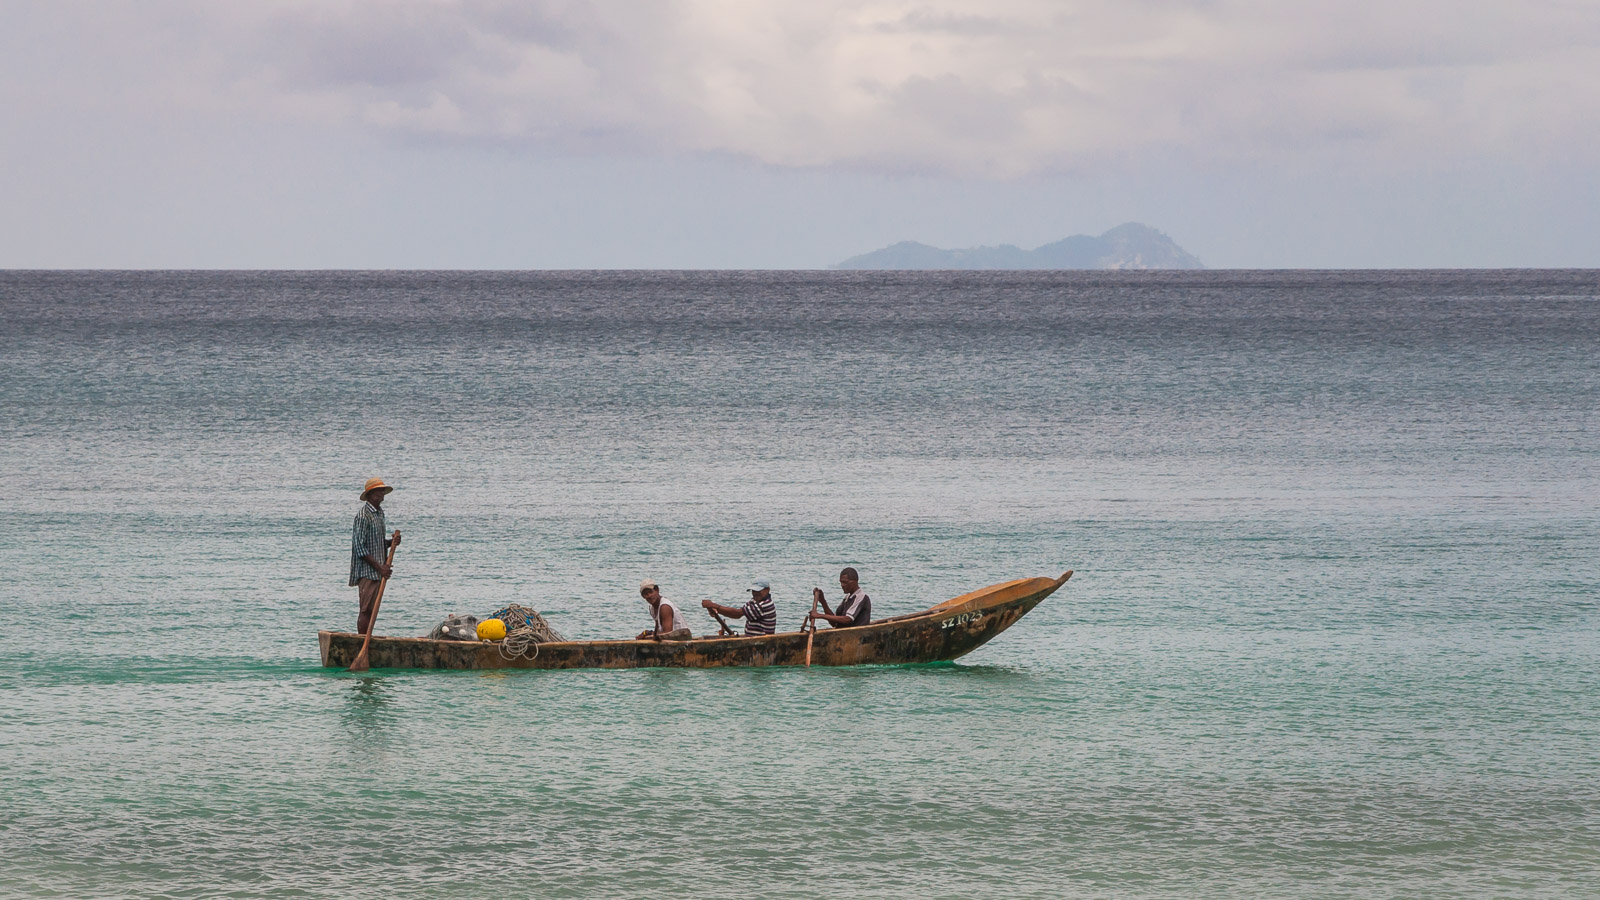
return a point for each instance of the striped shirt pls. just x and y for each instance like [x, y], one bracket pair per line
[858, 606]
[367, 539]
[760, 616]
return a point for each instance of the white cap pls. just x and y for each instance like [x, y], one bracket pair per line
[761, 584]
[647, 584]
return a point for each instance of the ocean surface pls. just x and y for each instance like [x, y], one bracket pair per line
[1333, 631]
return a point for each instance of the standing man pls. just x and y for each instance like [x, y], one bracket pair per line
[854, 609]
[367, 545]
[760, 615]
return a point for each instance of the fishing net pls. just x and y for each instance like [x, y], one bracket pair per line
[525, 631]
[455, 628]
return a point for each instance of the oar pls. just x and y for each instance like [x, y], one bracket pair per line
[812, 633]
[360, 664]
[720, 622]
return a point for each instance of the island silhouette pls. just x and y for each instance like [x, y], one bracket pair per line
[1127, 246]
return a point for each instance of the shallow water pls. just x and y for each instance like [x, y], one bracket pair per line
[1332, 632]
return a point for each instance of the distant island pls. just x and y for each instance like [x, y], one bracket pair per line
[1129, 246]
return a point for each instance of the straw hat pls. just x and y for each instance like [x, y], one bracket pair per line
[375, 484]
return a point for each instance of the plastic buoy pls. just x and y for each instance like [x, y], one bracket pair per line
[492, 630]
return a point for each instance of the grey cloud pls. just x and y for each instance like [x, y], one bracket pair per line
[311, 54]
[1008, 87]
[929, 21]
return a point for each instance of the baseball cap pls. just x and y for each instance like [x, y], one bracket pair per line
[761, 584]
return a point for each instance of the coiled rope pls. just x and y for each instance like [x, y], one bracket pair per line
[518, 642]
[525, 631]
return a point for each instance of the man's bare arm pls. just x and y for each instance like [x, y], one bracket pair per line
[731, 612]
[832, 619]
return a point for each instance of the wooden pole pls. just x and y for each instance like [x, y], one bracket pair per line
[812, 633]
[721, 622]
[360, 663]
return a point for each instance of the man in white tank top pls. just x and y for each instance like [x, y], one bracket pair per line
[669, 623]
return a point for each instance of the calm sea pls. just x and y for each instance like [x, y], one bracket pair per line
[1333, 631]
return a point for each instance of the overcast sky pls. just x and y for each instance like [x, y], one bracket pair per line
[793, 133]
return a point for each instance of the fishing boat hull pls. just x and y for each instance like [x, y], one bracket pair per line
[944, 632]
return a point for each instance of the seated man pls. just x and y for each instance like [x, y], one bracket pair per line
[855, 608]
[670, 625]
[759, 615]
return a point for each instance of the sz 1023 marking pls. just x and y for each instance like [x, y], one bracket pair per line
[962, 619]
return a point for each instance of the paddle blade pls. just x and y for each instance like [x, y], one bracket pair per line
[360, 663]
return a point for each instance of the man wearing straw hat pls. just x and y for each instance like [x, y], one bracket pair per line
[367, 545]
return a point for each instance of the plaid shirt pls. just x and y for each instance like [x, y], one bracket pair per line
[369, 538]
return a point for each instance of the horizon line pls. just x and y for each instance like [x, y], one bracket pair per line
[827, 269]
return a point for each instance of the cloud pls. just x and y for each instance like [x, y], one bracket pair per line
[997, 88]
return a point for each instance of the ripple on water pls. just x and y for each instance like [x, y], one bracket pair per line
[1331, 631]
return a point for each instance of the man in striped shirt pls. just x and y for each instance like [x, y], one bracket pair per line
[760, 615]
[855, 608]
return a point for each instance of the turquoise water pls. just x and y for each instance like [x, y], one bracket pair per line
[1332, 632]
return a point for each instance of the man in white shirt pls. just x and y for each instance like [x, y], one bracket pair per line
[670, 625]
[855, 608]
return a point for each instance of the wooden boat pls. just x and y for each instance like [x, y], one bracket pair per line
[943, 632]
